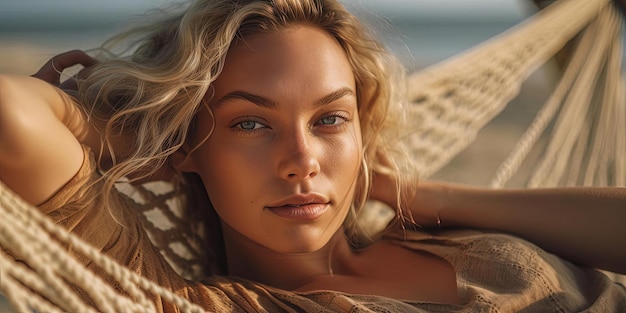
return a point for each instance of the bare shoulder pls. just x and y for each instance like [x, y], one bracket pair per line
[38, 152]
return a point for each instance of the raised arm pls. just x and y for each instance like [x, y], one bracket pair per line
[586, 225]
[40, 133]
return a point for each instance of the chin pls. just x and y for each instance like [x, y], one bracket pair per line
[301, 246]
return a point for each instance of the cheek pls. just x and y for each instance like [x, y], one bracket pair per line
[202, 127]
[345, 158]
[231, 173]
[355, 146]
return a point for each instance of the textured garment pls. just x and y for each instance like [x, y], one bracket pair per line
[495, 272]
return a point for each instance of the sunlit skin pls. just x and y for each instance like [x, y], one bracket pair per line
[280, 166]
[284, 130]
[286, 126]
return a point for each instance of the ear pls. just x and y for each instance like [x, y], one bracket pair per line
[181, 160]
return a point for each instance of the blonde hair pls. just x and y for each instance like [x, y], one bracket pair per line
[153, 94]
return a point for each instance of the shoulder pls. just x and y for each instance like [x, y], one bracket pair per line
[38, 152]
[492, 266]
[80, 190]
[499, 251]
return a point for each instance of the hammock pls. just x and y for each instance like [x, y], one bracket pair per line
[452, 101]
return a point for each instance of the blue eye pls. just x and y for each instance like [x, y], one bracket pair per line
[249, 125]
[335, 119]
[329, 120]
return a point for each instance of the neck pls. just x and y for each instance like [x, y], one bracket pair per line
[252, 261]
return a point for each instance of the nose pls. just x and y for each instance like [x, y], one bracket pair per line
[298, 158]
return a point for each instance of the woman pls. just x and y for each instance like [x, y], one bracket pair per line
[282, 113]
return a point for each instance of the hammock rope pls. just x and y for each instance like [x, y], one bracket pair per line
[598, 48]
[30, 235]
[452, 101]
[455, 99]
[568, 131]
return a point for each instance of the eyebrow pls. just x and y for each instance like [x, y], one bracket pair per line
[267, 103]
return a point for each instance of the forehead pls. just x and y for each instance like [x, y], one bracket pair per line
[296, 58]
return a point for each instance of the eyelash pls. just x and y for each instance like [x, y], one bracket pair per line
[236, 126]
[342, 115]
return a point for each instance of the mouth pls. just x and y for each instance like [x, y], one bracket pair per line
[301, 207]
[301, 212]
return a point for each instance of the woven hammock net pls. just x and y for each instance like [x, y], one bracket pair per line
[584, 119]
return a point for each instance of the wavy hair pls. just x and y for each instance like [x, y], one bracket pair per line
[149, 96]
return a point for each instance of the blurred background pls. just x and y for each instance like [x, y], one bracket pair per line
[420, 32]
[430, 29]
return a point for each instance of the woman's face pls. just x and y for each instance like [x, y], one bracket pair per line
[281, 164]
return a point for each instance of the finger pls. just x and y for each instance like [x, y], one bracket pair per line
[48, 73]
[71, 58]
[69, 84]
[72, 82]
[52, 69]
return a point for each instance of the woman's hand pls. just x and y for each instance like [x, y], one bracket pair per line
[51, 71]
[421, 201]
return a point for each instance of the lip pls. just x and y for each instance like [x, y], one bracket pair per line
[301, 207]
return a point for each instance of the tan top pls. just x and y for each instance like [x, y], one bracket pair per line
[495, 272]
